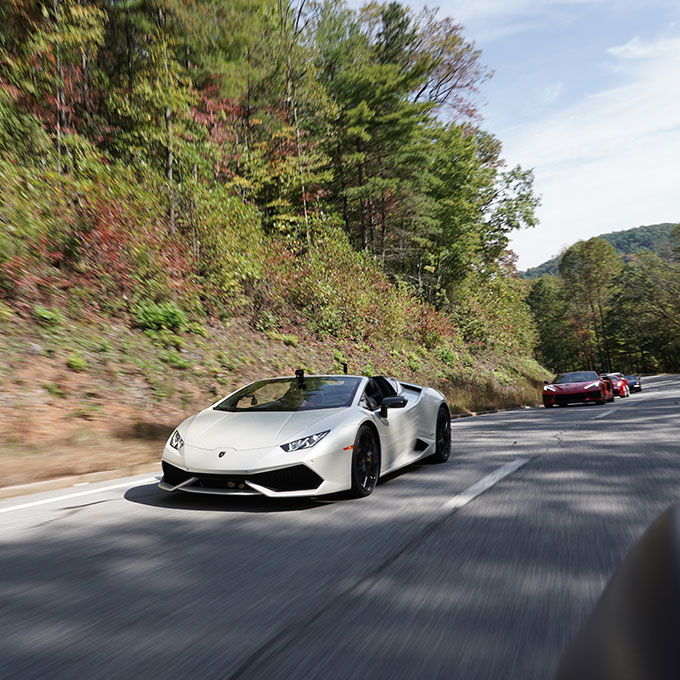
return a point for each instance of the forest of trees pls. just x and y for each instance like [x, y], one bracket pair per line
[267, 154]
[607, 313]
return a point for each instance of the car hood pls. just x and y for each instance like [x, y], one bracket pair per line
[212, 429]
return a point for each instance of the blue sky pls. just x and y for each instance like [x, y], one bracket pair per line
[586, 92]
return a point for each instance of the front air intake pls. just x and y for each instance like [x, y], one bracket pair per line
[173, 475]
[296, 478]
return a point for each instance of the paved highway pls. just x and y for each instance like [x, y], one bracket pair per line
[482, 568]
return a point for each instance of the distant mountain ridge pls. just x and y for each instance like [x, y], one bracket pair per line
[654, 237]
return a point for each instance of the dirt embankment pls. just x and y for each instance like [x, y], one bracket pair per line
[78, 398]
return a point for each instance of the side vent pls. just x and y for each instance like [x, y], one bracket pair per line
[421, 444]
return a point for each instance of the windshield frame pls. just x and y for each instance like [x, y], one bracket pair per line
[594, 377]
[306, 403]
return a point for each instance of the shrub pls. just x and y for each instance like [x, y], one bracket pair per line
[76, 362]
[413, 362]
[265, 321]
[174, 359]
[6, 313]
[446, 356]
[165, 339]
[54, 390]
[47, 317]
[160, 316]
[227, 362]
[196, 329]
[287, 339]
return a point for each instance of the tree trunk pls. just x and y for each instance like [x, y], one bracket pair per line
[288, 40]
[169, 157]
[597, 334]
[364, 240]
[60, 121]
[604, 338]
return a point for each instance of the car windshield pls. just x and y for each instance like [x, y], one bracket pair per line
[291, 394]
[631, 378]
[578, 376]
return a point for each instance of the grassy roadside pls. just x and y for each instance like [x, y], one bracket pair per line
[82, 396]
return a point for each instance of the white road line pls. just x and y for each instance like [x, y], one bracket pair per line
[603, 414]
[68, 496]
[484, 484]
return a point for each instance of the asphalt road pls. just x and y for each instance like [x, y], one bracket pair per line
[420, 580]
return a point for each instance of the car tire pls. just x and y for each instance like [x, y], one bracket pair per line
[548, 405]
[442, 437]
[365, 462]
[603, 399]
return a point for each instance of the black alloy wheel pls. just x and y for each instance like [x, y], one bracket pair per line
[443, 437]
[365, 463]
[603, 398]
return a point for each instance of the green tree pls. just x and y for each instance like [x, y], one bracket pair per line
[587, 269]
[557, 348]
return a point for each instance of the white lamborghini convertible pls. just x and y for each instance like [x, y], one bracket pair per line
[307, 436]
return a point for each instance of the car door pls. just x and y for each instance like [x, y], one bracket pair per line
[397, 429]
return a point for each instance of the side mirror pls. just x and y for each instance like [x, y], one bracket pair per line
[545, 382]
[392, 402]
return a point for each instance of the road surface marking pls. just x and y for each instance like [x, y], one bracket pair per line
[603, 414]
[68, 496]
[484, 484]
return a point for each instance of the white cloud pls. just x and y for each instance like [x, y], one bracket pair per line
[609, 161]
[466, 10]
[637, 49]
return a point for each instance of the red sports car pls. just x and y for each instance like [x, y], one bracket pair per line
[608, 385]
[575, 387]
[620, 384]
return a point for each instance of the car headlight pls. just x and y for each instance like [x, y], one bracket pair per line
[176, 440]
[305, 442]
[550, 388]
[591, 385]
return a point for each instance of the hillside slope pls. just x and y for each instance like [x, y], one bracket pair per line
[84, 395]
[653, 237]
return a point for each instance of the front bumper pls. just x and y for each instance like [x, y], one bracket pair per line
[289, 481]
[559, 399]
[322, 469]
